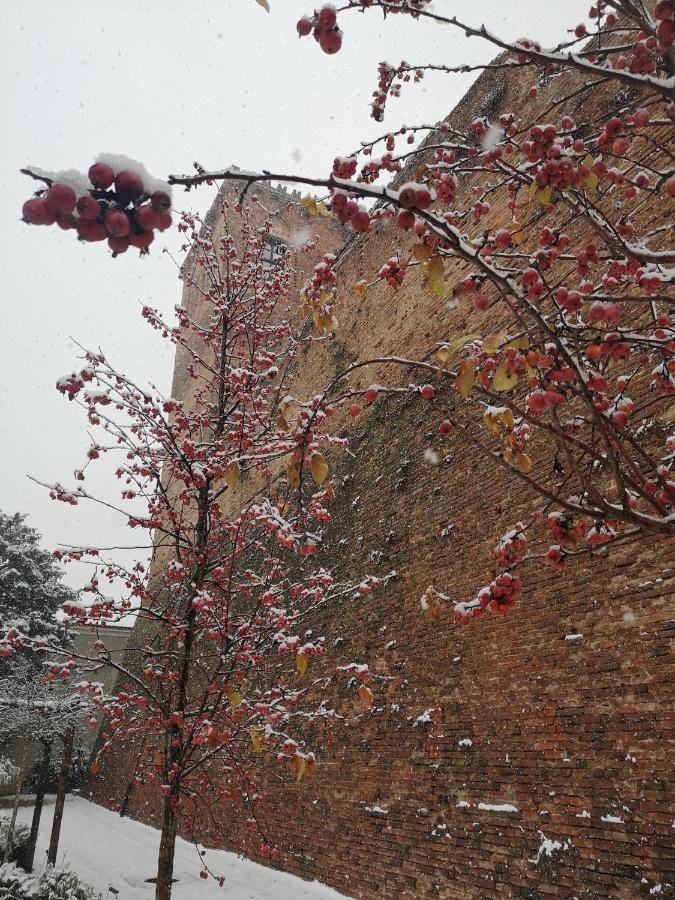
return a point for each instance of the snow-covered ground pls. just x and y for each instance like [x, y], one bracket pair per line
[106, 851]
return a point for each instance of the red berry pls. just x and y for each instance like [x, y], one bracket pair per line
[354, 410]
[663, 9]
[330, 41]
[481, 301]
[36, 212]
[445, 427]
[101, 175]
[118, 245]
[66, 222]
[408, 197]
[128, 184]
[669, 186]
[371, 393]
[160, 201]
[117, 223]
[304, 26]
[87, 207]
[90, 230]
[327, 17]
[60, 198]
[427, 392]
[405, 219]
[164, 221]
[146, 217]
[423, 198]
[142, 240]
[580, 30]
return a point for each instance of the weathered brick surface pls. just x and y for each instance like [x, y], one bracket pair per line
[566, 702]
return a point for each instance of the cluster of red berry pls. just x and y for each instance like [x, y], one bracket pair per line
[325, 29]
[116, 208]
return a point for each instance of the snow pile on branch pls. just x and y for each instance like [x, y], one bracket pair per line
[120, 163]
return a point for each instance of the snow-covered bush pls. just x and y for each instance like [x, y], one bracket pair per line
[54, 884]
[19, 838]
[8, 771]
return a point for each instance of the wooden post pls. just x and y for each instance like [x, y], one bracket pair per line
[61, 794]
[41, 790]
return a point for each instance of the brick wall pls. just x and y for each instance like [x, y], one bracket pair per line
[554, 723]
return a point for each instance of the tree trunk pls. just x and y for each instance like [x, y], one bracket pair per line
[167, 846]
[43, 777]
[61, 795]
[17, 793]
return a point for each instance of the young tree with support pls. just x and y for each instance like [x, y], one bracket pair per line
[232, 486]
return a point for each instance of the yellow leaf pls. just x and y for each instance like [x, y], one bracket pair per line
[493, 419]
[435, 268]
[592, 182]
[544, 195]
[492, 342]
[503, 380]
[422, 252]
[293, 475]
[588, 161]
[445, 351]
[158, 759]
[302, 765]
[523, 462]
[256, 733]
[520, 343]
[366, 695]
[95, 767]
[265, 5]
[310, 205]
[301, 662]
[361, 287]
[319, 468]
[465, 379]
[282, 424]
[232, 473]
[534, 187]
[235, 699]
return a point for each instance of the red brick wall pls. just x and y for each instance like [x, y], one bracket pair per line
[566, 702]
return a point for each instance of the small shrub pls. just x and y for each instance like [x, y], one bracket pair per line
[53, 884]
[19, 838]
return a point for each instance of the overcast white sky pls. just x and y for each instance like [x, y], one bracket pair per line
[168, 82]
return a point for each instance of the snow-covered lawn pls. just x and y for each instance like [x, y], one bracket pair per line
[106, 850]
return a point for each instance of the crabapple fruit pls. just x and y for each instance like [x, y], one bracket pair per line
[142, 240]
[160, 201]
[101, 175]
[116, 223]
[87, 207]
[60, 199]
[327, 17]
[118, 245]
[405, 219]
[304, 26]
[146, 217]
[36, 212]
[427, 392]
[128, 184]
[91, 230]
[330, 41]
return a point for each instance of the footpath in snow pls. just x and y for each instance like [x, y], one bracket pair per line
[107, 851]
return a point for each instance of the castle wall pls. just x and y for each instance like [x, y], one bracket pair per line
[554, 722]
